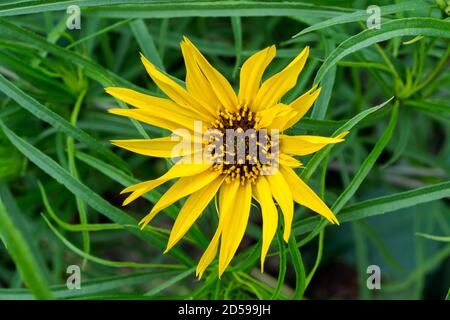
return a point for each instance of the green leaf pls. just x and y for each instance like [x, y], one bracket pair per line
[86, 194]
[109, 263]
[321, 105]
[360, 175]
[171, 282]
[90, 287]
[23, 257]
[401, 27]
[367, 165]
[282, 265]
[45, 114]
[315, 161]
[432, 106]
[404, 133]
[146, 43]
[381, 205]
[432, 237]
[361, 260]
[362, 15]
[24, 225]
[237, 34]
[213, 9]
[299, 268]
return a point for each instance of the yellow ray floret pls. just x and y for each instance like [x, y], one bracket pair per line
[269, 212]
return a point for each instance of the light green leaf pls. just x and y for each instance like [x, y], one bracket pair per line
[23, 257]
[432, 237]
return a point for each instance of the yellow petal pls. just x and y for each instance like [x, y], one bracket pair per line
[269, 212]
[220, 85]
[166, 120]
[304, 145]
[196, 82]
[283, 195]
[251, 74]
[289, 161]
[191, 210]
[182, 188]
[176, 92]
[267, 116]
[305, 196]
[235, 224]
[274, 88]
[159, 147]
[281, 119]
[178, 170]
[227, 191]
[301, 105]
[154, 105]
[209, 254]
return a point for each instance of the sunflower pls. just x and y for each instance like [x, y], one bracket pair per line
[208, 102]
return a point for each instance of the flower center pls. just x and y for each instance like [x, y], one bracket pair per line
[240, 150]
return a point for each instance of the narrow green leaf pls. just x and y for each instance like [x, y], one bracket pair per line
[237, 34]
[213, 9]
[432, 237]
[23, 257]
[432, 106]
[315, 161]
[321, 105]
[361, 260]
[90, 287]
[24, 226]
[171, 282]
[299, 268]
[368, 163]
[146, 43]
[282, 265]
[403, 138]
[109, 263]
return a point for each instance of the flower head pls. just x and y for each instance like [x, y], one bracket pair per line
[233, 146]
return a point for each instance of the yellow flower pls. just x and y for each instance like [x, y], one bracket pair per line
[209, 103]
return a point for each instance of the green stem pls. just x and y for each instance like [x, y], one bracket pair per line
[81, 206]
[435, 73]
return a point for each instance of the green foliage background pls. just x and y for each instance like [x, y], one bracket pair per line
[60, 177]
